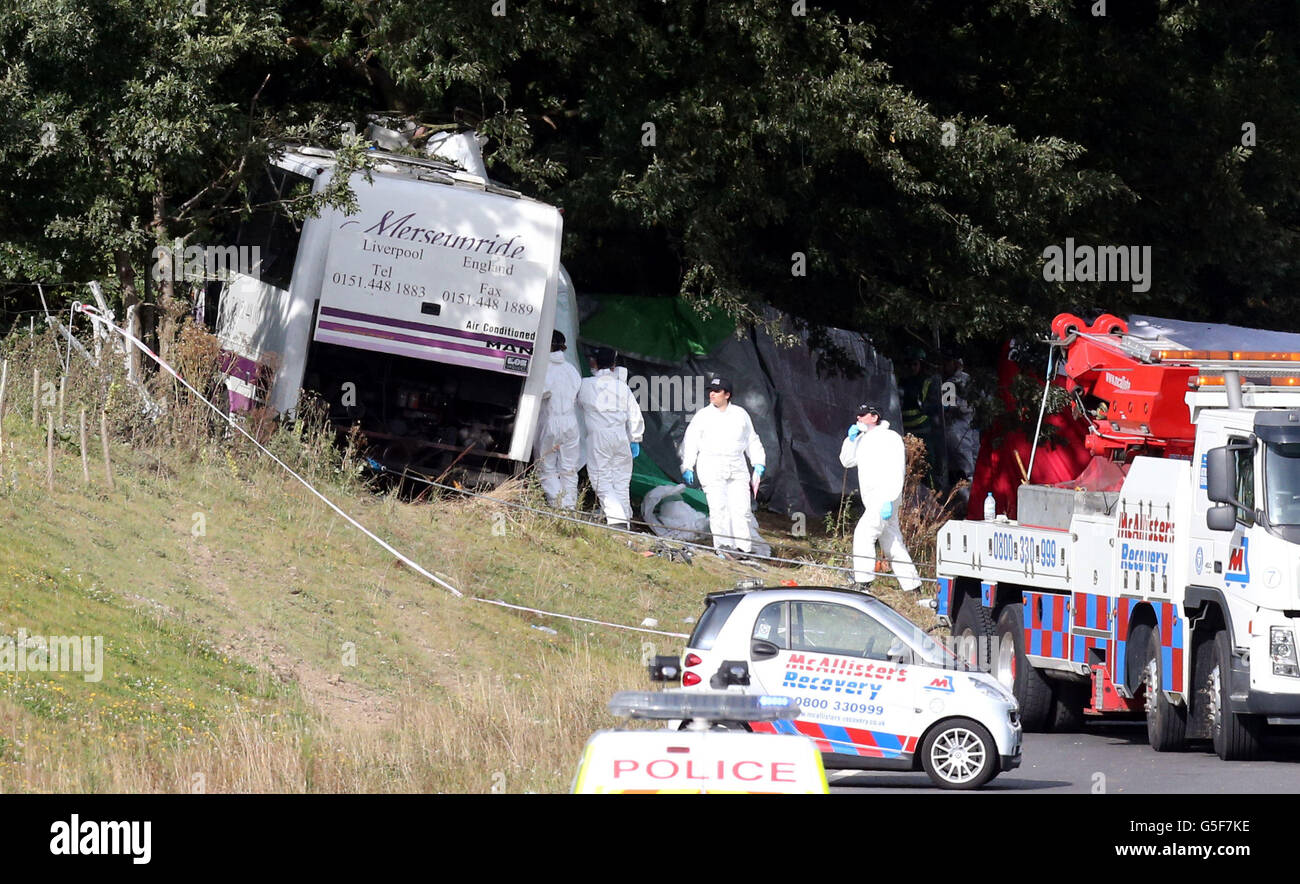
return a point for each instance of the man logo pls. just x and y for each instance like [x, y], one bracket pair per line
[1239, 563]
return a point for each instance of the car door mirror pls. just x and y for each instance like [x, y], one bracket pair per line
[763, 650]
[1221, 518]
[899, 652]
[1220, 475]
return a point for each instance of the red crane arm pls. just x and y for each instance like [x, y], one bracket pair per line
[1143, 401]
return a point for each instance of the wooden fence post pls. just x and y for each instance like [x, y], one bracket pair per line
[85, 463]
[103, 434]
[49, 450]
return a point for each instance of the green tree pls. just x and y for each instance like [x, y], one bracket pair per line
[735, 145]
[134, 123]
[897, 169]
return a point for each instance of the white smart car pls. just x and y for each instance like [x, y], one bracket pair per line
[875, 692]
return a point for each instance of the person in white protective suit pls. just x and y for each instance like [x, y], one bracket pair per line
[558, 445]
[614, 431]
[878, 453]
[717, 440]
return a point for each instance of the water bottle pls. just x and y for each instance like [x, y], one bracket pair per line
[990, 508]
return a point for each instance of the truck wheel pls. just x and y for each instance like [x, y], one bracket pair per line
[1010, 667]
[960, 754]
[972, 632]
[1166, 723]
[1135, 656]
[1235, 737]
[1068, 700]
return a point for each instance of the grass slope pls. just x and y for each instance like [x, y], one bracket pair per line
[253, 641]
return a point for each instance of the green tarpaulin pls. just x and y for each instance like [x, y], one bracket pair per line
[646, 475]
[664, 330]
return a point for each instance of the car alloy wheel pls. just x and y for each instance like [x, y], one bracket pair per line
[960, 754]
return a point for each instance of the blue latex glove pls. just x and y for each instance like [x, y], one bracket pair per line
[688, 476]
[758, 470]
[887, 511]
[636, 449]
[855, 431]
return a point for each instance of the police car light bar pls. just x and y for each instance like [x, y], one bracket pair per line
[720, 706]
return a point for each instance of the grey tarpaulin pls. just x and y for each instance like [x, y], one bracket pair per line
[801, 411]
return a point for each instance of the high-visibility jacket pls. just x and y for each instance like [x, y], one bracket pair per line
[915, 418]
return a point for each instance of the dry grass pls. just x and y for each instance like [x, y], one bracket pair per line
[490, 733]
[222, 648]
[222, 665]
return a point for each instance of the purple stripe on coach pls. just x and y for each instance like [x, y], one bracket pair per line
[412, 339]
[358, 316]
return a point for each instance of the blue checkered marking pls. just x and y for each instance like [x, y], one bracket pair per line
[1049, 640]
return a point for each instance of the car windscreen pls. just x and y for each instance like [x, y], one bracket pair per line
[933, 652]
[716, 612]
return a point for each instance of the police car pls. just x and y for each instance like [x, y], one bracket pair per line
[875, 692]
[699, 758]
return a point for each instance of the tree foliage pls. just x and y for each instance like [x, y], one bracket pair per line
[133, 123]
[893, 168]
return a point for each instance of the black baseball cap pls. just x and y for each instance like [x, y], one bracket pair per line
[719, 383]
[868, 408]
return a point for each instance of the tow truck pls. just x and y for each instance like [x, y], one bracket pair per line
[1165, 581]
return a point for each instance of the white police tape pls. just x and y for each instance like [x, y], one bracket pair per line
[95, 316]
[580, 619]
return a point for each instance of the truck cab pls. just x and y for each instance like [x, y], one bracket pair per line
[1245, 536]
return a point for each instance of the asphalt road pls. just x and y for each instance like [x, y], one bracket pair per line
[1112, 757]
